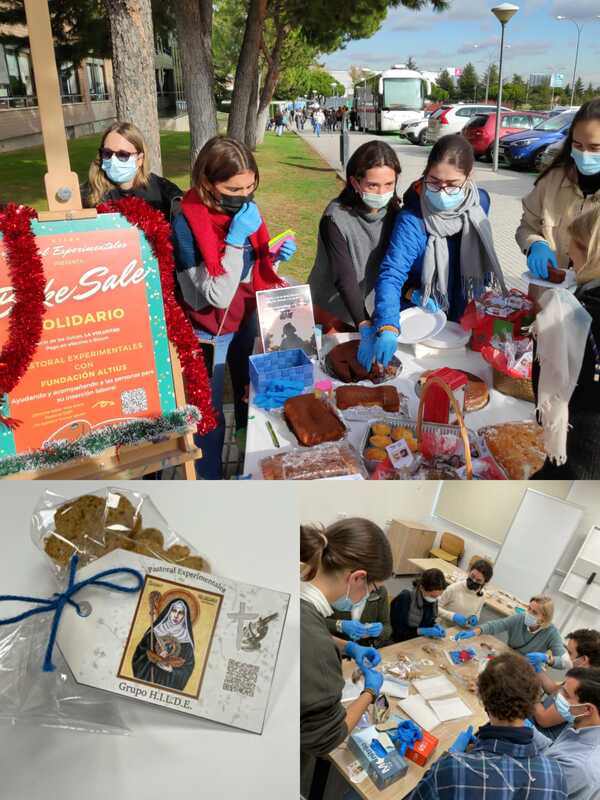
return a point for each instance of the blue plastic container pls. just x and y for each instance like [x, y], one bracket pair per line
[289, 365]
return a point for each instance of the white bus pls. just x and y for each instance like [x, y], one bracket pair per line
[384, 101]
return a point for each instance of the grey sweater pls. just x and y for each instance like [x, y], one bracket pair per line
[525, 641]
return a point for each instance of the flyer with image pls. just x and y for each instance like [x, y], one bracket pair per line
[287, 320]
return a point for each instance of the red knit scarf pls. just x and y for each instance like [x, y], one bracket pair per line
[209, 229]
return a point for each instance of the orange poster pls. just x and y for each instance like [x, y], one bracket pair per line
[103, 357]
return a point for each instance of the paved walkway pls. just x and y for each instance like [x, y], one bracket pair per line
[506, 188]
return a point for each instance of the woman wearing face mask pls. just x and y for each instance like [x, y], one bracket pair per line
[341, 565]
[462, 601]
[532, 634]
[368, 622]
[569, 187]
[222, 255]
[121, 170]
[414, 612]
[441, 251]
[354, 233]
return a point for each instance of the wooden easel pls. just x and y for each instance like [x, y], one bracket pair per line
[64, 203]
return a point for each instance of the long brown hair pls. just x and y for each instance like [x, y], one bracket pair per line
[368, 156]
[220, 159]
[353, 544]
[589, 112]
[585, 230]
[99, 183]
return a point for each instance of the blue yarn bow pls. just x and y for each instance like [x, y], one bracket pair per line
[59, 600]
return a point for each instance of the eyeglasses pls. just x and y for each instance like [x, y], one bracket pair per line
[122, 155]
[451, 190]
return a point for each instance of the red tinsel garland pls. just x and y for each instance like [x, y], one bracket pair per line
[179, 329]
[26, 274]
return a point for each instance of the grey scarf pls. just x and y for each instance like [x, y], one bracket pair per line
[479, 265]
[415, 612]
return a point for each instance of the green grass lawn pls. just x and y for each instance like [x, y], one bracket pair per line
[295, 183]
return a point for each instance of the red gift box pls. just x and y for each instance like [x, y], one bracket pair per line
[485, 325]
[436, 403]
[422, 750]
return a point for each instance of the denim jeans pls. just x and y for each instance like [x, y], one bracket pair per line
[235, 350]
[317, 129]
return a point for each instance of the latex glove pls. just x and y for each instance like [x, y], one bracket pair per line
[246, 222]
[460, 619]
[287, 250]
[538, 257]
[405, 735]
[462, 741]
[373, 680]
[365, 657]
[527, 723]
[437, 632]
[385, 347]
[472, 620]
[537, 660]
[366, 348]
[417, 298]
[356, 630]
[464, 635]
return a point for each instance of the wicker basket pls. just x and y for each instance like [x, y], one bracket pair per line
[464, 433]
[520, 388]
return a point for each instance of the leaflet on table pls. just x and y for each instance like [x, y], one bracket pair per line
[286, 319]
[189, 641]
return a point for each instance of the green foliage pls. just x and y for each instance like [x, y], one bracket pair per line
[467, 83]
[437, 94]
[579, 89]
[446, 84]
[411, 63]
[307, 82]
[514, 94]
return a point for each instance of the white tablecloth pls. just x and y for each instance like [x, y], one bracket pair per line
[501, 408]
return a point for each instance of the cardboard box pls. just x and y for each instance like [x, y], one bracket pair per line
[423, 749]
[383, 770]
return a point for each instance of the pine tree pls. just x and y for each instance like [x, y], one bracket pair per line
[579, 89]
[411, 63]
[467, 83]
[446, 83]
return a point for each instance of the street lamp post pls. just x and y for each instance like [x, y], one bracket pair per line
[489, 63]
[503, 13]
[579, 30]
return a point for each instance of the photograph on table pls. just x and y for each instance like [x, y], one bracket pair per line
[438, 634]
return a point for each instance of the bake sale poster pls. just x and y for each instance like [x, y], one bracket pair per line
[103, 357]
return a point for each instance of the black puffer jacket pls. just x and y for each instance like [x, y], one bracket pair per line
[160, 193]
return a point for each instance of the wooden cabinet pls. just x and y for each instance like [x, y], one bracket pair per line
[409, 540]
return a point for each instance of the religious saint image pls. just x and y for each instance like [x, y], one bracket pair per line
[170, 636]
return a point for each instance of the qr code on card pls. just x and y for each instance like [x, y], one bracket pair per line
[240, 678]
[134, 401]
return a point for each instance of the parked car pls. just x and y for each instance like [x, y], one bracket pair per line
[416, 130]
[550, 153]
[481, 129]
[526, 149]
[452, 119]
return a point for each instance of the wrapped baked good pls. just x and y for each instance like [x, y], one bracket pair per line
[332, 460]
[517, 447]
[386, 397]
[312, 420]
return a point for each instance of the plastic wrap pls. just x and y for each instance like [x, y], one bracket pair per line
[98, 522]
[517, 448]
[323, 461]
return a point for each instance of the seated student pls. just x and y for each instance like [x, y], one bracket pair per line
[441, 251]
[121, 169]
[414, 611]
[354, 233]
[577, 747]
[583, 647]
[567, 363]
[341, 564]
[531, 634]
[462, 601]
[503, 762]
[369, 622]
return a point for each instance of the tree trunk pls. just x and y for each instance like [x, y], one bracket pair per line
[132, 37]
[251, 118]
[194, 33]
[247, 69]
[274, 61]
[261, 125]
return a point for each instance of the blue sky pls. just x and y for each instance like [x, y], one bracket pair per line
[539, 43]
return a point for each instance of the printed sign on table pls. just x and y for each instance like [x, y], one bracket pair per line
[287, 320]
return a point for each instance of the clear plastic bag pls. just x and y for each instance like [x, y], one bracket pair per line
[107, 519]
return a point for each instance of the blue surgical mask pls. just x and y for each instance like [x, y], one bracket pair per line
[376, 200]
[120, 171]
[346, 604]
[530, 620]
[587, 163]
[442, 201]
[563, 707]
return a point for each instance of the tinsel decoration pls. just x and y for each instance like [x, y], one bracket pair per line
[127, 434]
[179, 329]
[25, 324]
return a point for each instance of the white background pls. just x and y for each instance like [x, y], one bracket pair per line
[249, 532]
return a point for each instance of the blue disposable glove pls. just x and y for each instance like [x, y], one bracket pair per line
[417, 298]
[472, 620]
[405, 735]
[537, 660]
[365, 657]
[246, 222]
[287, 250]
[385, 347]
[276, 393]
[464, 635]
[462, 741]
[538, 257]
[373, 680]
[366, 348]
[437, 632]
[527, 723]
[357, 630]
[460, 619]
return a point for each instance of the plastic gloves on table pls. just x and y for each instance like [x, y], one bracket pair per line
[365, 657]
[538, 257]
[373, 680]
[472, 620]
[405, 735]
[246, 222]
[357, 630]
[462, 741]
[287, 250]
[417, 298]
[537, 660]
[464, 635]
[366, 348]
[437, 632]
[385, 347]
[277, 393]
[460, 619]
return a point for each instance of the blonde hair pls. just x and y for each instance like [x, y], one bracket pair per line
[99, 183]
[585, 231]
[546, 606]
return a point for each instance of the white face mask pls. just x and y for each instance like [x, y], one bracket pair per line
[429, 599]
[377, 201]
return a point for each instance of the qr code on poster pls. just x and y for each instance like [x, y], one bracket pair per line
[240, 678]
[134, 401]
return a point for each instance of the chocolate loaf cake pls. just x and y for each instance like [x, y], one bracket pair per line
[384, 396]
[342, 361]
[312, 421]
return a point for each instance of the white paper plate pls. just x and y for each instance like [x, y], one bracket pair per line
[569, 281]
[451, 336]
[417, 324]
